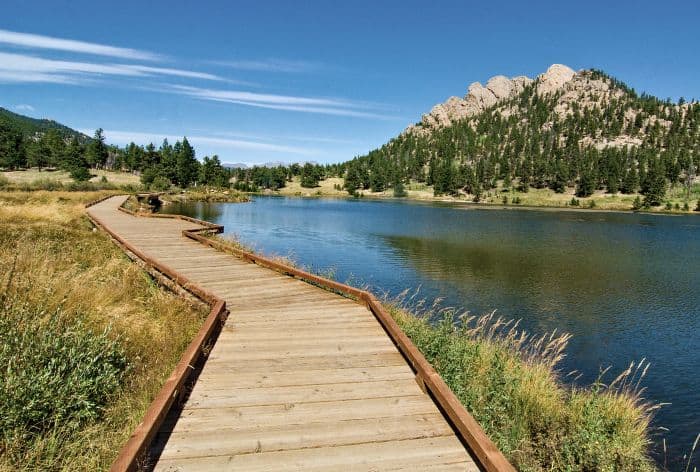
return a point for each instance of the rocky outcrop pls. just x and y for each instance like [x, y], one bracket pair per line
[480, 97]
[554, 79]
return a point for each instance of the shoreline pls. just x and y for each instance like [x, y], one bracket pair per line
[467, 205]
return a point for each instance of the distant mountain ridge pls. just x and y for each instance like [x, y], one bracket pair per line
[34, 126]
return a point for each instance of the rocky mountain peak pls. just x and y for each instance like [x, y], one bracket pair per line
[480, 97]
[554, 79]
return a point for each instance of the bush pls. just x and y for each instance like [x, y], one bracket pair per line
[574, 202]
[44, 184]
[57, 372]
[697, 207]
[591, 204]
[399, 190]
[80, 174]
[160, 184]
[4, 181]
[637, 204]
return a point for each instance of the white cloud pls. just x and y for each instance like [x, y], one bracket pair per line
[310, 139]
[271, 65]
[139, 137]
[48, 42]
[26, 68]
[24, 107]
[8, 76]
[327, 106]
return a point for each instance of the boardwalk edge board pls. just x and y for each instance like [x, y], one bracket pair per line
[487, 455]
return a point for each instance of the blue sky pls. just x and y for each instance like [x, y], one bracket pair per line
[322, 81]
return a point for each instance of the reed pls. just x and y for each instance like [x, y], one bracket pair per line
[509, 380]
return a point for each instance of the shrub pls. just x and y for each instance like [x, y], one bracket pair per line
[399, 190]
[45, 184]
[637, 204]
[160, 184]
[574, 202]
[4, 181]
[80, 174]
[57, 372]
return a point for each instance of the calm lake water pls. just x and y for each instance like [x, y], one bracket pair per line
[627, 286]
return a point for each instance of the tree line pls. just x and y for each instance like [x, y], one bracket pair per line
[159, 167]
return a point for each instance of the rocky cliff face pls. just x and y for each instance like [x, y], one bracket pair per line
[480, 97]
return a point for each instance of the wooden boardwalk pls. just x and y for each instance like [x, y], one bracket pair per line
[299, 379]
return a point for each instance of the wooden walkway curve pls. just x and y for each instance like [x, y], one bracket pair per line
[299, 378]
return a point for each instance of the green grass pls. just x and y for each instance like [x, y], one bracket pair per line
[87, 339]
[509, 382]
[60, 373]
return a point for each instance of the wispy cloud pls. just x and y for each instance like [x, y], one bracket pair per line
[327, 106]
[27, 68]
[70, 45]
[277, 137]
[175, 72]
[124, 137]
[271, 65]
[24, 107]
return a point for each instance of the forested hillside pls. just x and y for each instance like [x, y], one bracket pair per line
[33, 126]
[584, 130]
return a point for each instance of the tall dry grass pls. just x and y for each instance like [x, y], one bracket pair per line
[56, 267]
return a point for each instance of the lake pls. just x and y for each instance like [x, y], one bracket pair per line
[627, 286]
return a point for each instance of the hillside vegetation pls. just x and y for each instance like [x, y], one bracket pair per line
[583, 130]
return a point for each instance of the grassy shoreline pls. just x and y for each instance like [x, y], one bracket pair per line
[539, 199]
[509, 382]
[71, 290]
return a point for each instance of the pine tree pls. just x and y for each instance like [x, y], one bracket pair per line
[654, 187]
[97, 152]
[309, 176]
[353, 181]
[12, 153]
[586, 185]
[75, 162]
[187, 166]
[211, 172]
[630, 183]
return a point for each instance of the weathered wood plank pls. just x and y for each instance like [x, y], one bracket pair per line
[204, 397]
[218, 439]
[299, 413]
[410, 454]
